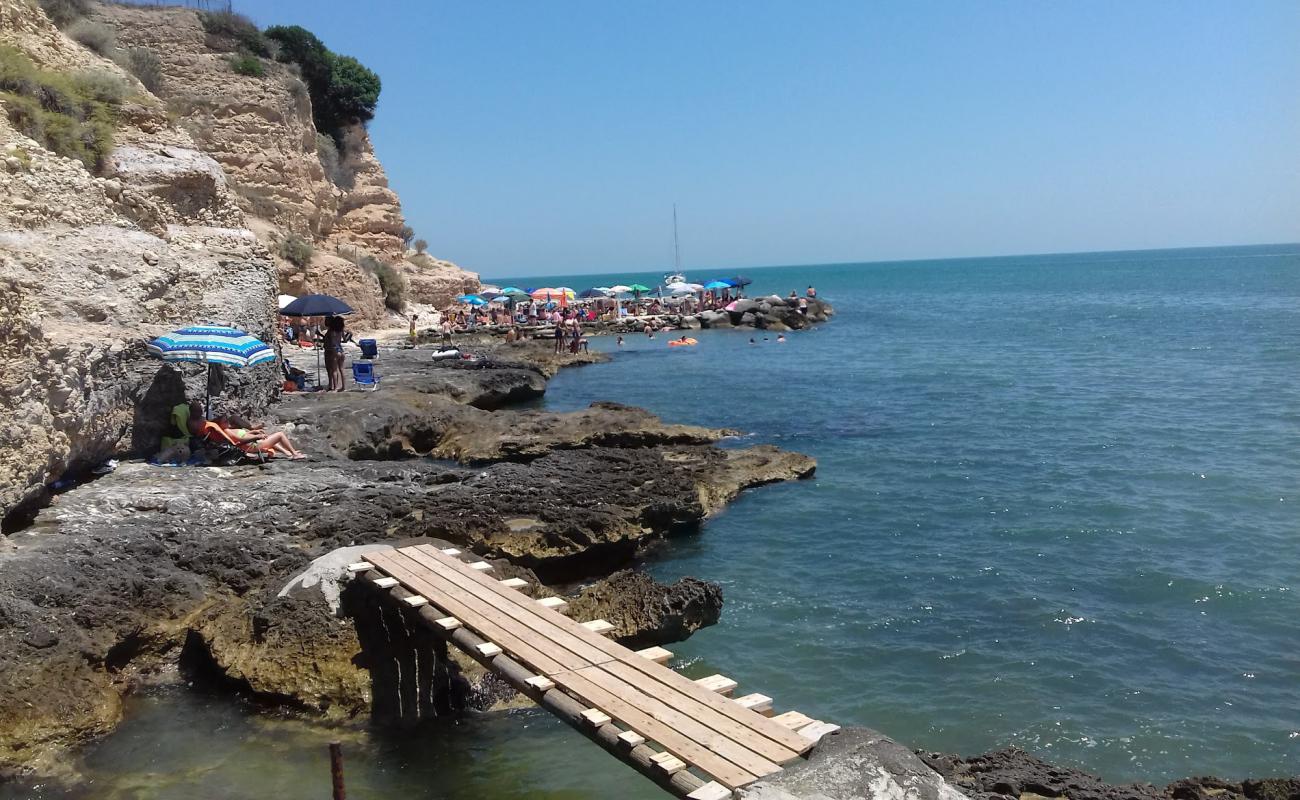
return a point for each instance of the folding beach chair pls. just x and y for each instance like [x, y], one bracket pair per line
[363, 372]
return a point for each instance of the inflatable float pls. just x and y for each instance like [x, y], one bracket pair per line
[682, 343]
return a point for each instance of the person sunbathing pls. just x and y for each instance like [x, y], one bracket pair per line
[245, 437]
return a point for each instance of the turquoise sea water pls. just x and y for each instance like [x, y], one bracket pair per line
[1057, 506]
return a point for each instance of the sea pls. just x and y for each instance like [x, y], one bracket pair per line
[1057, 506]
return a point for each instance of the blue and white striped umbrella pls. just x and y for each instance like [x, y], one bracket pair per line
[212, 344]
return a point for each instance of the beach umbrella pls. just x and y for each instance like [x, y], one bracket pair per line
[637, 289]
[212, 344]
[511, 290]
[543, 293]
[740, 280]
[317, 305]
[712, 285]
[471, 299]
[621, 289]
[590, 293]
[732, 305]
[284, 300]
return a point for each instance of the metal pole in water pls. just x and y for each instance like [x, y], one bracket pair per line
[336, 771]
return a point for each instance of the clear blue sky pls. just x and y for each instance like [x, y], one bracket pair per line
[535, 137]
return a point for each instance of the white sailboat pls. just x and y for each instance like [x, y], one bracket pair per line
[676, 275]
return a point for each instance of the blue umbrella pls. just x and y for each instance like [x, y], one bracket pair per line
[471, 299]
[212, 344]
[317, 305]
[718, 285]
[740, 280]
[589, 293]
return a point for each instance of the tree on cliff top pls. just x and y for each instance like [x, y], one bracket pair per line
[342, 89]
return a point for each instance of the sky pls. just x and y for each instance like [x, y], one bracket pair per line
[531, 138]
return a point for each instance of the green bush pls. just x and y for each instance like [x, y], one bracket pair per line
[420, 246]
[145, 65]
[342, 89]
[408, 233]
[248, 64]
[94, 35]
[233, 32]
[296, 250]
[65, 12]
[71, 115]
[390, 281]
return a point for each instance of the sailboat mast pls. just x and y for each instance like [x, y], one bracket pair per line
[677, 253]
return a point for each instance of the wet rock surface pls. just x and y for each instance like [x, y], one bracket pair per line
[151, 566]
[1013, 773]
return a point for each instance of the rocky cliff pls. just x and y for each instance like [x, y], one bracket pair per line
[181, 223]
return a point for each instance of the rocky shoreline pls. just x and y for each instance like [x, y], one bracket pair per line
[125, 577]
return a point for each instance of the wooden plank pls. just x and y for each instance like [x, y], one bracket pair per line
[553, 603]
[671, 764]
[485, 621]
[451, 551]
[598, 626]
[717, 683]
[448, 623]
[686, 749]
[793, 720]
[790, 744]
[710, 791]
[631, 738]
[490, 594]
[514, 583]
[488, 650]
[541, 683]
[415, 601]
[386, 583]
[716, 741]
[755, 702]
[693, 705]
[360, 566]
[817, 730]
[656, 654]
[595, 717]
[481, 566]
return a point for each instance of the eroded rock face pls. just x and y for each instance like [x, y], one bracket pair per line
[645, 612]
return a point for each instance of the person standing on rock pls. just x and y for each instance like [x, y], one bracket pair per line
[334, 353]
[414, 317]
[811, 292]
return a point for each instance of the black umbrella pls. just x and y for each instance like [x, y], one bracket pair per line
[317, 305]
[740, 280]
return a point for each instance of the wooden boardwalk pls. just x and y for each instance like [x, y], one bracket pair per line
[686, 734]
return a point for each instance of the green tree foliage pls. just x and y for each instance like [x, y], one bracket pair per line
[342, 89]
[71, 115]
[421, 246]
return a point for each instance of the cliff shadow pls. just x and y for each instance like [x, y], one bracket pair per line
[412, 680]
[153, 410]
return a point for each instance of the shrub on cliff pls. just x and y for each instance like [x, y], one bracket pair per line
[233, 32]
[296, 250]
[71, 115]
[94, 35]
[420, 246]
[145, 65]
[342, 89]
[65, 12]
[248, 64]
[390, 281]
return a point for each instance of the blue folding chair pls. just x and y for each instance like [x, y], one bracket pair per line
[363, 372]
[369, 348]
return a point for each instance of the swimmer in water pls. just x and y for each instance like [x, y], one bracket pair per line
[620, 341]
[751, 340]
[781, 338]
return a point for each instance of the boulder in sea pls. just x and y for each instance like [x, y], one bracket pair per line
[690, 323]
[715, 319]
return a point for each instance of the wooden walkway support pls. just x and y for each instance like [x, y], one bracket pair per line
[687, 736]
